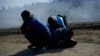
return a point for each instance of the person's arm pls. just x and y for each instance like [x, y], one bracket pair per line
[24, 28]
[65, 20]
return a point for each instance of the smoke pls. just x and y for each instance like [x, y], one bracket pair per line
[87, 10]
[75, 10]
[78, 10]
[10, 18]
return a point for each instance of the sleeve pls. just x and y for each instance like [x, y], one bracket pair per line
[61, 22]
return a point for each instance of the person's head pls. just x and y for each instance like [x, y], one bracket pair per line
[59, 15]
[52, 23]
[65, 17]
[25, 15]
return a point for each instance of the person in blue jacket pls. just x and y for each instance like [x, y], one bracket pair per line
[34, 30]
[60, 33]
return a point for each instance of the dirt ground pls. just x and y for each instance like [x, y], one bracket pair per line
[88, 45]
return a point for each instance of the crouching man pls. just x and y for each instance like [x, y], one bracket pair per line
[34, 30]
[61, 35]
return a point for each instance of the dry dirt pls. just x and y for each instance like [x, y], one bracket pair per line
[88, 45]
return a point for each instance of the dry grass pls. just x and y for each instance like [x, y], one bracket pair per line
[88, 45]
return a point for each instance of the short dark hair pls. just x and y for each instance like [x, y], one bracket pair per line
[25, 13]
[59, 15]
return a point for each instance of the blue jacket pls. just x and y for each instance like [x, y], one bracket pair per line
[38, 32]
[55, 22]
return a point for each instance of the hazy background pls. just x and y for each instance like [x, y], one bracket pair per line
[75, 10]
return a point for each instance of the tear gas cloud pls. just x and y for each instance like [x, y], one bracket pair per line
[75, 10]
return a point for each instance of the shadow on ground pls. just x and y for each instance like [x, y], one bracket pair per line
[32, 52]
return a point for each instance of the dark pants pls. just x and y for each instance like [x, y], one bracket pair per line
[60, 39]
[38, 40]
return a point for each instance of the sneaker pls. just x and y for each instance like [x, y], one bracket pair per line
[30, 46]
[66, 44]
[71, 43]
[61, 43]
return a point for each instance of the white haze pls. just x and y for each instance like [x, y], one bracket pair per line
[75, 10]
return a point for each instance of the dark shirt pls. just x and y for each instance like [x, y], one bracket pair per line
[38, 32]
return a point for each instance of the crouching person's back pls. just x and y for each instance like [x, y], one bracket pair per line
[60, 33]
[35, 31]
